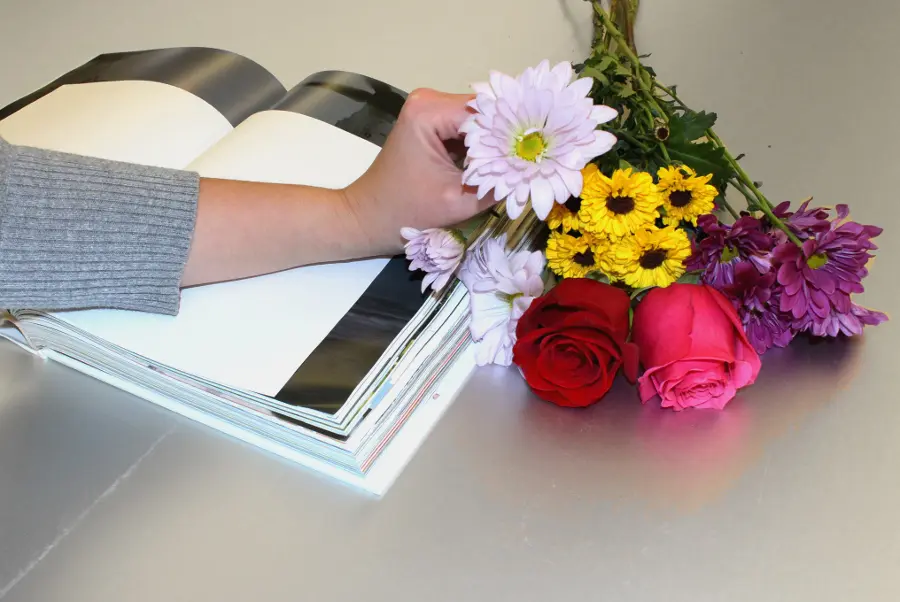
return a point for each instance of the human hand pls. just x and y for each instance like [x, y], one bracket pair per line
[415, 180]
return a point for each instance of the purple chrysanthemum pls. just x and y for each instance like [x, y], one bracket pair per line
[532, 135]
[756, 298]
[804, 222]
[849, 323]
[723, 247]
[819, 277]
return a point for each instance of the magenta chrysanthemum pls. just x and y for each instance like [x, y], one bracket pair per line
[723, 247]
[531, 136]
[804, 222]
[756, 297]
[849, 323]
[819, 277]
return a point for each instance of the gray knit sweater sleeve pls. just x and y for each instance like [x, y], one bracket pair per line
[78, 233]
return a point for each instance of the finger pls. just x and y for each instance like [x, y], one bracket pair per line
[470, 196]
[452, 115]
[442, 112]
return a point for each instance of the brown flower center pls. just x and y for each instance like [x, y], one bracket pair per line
[573, 204]
[620, 204]
[652, 259]
[680, 198]
[584, 259]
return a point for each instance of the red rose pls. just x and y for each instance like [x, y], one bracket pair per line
[693, 348]
[573, 340]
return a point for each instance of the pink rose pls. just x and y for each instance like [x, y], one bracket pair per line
[693, 348]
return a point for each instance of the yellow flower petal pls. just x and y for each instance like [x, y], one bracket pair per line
[572, 256]
[652, 257]
[685, 195]
[617, 206]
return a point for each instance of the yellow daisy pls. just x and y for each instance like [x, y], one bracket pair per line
[575, 256]
[620, 205]
[685, 195]
[651, 257]
[565, 217]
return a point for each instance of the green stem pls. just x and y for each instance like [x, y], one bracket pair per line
[729, 208]
[766, 208]
[739, 186]
[742, 175]
[647, 90]
[629, 137]
[623, 47]
[665, 153]
[671, 93]
[780, 225]
[711, 134]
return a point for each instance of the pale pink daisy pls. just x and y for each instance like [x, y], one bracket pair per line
[531, 136]
[501, 287]
[435, 251]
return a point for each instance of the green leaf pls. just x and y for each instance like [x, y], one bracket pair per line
[599, 277]
[639, 292]
[690, 125]
[622, 69]
[550, 280]
[596, 74]
[704, 158]
[625, 90]
[605, 62]
[690, 278]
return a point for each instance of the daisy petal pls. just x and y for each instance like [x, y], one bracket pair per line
[603, 143]
[541, 197]
[573, 180]
[603, 114]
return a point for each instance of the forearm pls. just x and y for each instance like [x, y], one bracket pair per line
[244, 229]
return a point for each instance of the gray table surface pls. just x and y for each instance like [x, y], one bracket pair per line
[790, 494]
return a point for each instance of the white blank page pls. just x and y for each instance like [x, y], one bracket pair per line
[253, 334]
[150, 123]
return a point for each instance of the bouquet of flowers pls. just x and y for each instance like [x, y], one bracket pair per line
[645, 262]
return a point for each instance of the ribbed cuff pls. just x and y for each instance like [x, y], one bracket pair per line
[80, 233]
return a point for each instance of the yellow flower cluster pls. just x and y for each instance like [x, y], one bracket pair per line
[613, 227]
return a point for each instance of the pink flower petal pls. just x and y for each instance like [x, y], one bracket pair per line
[541, 197]
[573, 180]
[483, 88]
[581, 87]
[563, 73]
[561, 193]
[603, 143]
[501, 190]
[410, 233]
[572, 160]
[603, 114]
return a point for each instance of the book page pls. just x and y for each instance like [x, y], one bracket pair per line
[150, 123]
[254, 334]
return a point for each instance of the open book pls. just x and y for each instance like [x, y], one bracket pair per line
[343, 367]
